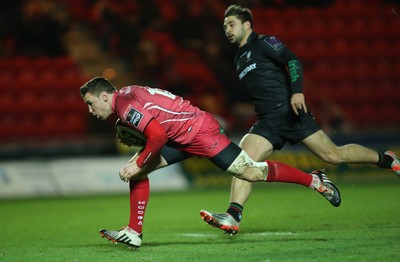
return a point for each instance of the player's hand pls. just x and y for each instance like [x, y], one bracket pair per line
[298, 103]
[129, 171]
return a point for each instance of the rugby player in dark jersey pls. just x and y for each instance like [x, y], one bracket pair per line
[272, 75]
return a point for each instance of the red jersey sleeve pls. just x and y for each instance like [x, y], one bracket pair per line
[156, 138]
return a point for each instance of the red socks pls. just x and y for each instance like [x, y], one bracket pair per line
[139, 196]
[280, 172]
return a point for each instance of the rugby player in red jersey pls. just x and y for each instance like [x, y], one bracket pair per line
[272, 75]
[176, 130]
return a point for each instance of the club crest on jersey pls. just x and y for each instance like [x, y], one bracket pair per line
[274, 42]
[247, 54]
[134, 117]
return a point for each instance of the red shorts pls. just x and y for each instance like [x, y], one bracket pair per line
[209, 141]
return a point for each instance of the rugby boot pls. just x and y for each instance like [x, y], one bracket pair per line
[327, 188]
[125, 235]
[223, 221]
[395, 167]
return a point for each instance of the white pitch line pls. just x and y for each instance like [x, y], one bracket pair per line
[248, 234]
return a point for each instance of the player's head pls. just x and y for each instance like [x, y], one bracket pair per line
[97, 85]
[97, 93]
[238, 24]
[241, 13]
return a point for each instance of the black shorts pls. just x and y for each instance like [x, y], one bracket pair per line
[223, 159]
[286, 127]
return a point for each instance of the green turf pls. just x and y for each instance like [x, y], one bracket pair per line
[281, 223]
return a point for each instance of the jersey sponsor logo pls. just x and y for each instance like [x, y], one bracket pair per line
[274, 42]
[134, 117]
[293, 66]
[140, 212]
[247, 69]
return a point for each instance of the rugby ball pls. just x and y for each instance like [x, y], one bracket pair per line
[128, 135]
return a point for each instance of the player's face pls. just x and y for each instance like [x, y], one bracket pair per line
[235, 30]
[98, 106]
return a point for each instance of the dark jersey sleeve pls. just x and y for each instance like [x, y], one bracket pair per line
[276, 50]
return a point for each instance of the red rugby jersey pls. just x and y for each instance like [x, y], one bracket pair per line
[137, 105]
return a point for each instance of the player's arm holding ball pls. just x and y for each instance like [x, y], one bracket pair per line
[154, 139]
[128, 135]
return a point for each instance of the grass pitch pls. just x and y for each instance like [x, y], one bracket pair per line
[281, 223]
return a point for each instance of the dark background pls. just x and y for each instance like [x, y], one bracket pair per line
[350, 51]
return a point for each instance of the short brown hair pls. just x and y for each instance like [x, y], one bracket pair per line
[243, 14]
[97, 85]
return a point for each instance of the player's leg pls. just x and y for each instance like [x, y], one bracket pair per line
[140, 189]
[243, 166]
[322, 146]
[258, 148]
[139, 192]
[307, 130]
[259, 144]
